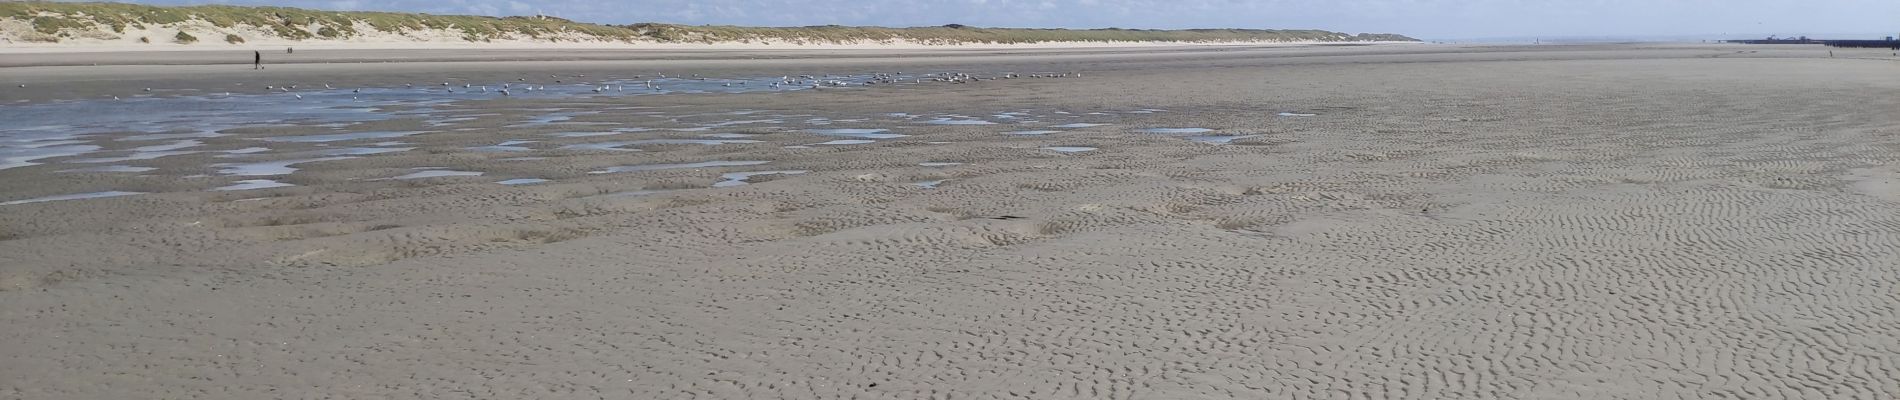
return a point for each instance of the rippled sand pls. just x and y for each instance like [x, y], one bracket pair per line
[1420, 222]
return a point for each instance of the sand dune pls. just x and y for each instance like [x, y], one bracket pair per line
[1519, 222]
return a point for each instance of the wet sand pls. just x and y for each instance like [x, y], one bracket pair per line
[1420, 222]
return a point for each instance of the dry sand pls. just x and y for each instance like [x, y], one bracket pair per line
[1564, 222]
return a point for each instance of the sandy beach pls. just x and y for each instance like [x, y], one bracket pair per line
[1630, 221]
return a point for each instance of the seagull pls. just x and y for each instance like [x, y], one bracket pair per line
[327, 86]
[148, 89]
[299, 96]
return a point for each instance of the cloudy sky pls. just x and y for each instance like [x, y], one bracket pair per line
[1429, 19]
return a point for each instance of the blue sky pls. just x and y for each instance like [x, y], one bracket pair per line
[1429, 19]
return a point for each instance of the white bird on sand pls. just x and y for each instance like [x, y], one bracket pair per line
[148, 89]
[299, 96]
[327, 86]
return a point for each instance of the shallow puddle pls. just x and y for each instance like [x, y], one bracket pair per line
[112, 168]
[1219, 139]
[252, 184]
[522, 181]
[342, 136]
[653, 167]
[841, 142]
[78, 196]
[739, 178]
[1069, 149]
[1026, 133]
[268, 168]
[1078, 125]
[1177, 130]
[437, 173]
[858, 133]
[948, 121]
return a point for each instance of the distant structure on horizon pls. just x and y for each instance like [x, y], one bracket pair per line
[1888, 43]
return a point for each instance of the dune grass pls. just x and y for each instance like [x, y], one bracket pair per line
[65, 20]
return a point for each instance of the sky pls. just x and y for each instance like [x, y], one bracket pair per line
[1425, 19]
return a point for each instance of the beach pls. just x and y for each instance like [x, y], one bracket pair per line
[1418, 221]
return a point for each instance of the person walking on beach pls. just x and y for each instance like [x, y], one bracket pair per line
[257, 60]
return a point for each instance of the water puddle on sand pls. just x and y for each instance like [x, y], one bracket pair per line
[252, 184]
[268, 168]
[1026, 133]
[1069, 149]
[522, 181]
[938, 164]
[948, 121]
[1294, 114]
[1078, 125]
[739, 178]
[182, 144]
[708, 142]
[111, 168]
[1177, 130]
[929, 184]
[858, 133]
[744, 122]
[14, 157]
[338, 137]
[653, 167]
[79, 196]
[170, 136]
[360, 151]
[729, 135]
[601, 133]
[436, 173]
[605, 146]
[1219, 139]
[842, 142]
[559, 118]
[508, 146]
[131, 157]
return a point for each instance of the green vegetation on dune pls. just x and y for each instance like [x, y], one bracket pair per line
[60, 20]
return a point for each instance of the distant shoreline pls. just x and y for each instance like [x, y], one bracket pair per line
[27, 27]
